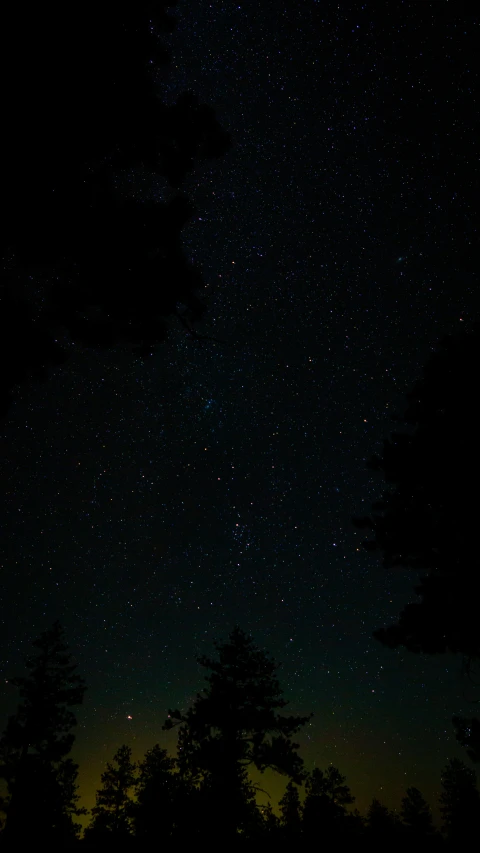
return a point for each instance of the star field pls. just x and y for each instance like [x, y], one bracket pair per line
[152, 506]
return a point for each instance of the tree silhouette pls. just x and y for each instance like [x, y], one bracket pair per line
[79, 256]
[291, 810]
[234, 723]
[156, 788]
[324, 807]
[382, 826]
[426, 521]
[41, 780]
[459, 803]
[112, 817]
[270, 826]
[354, 825]
[468, 734]
[415, 813]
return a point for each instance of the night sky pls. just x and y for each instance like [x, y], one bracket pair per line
[152, 506]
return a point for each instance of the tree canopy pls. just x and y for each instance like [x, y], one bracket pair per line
[237, 714]
[80, 258]
[327, 795]
[235, 723]
[426, 519]
[459, 802]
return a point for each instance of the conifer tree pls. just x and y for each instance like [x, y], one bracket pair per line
[235, 723]
[291, 810]
[41, 779]
[157, 796]
[327, 795]
[384, 830]
[114, 811]
[459, 802]
[416, 815]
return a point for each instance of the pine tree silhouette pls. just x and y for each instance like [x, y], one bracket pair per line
[112, 817]
[233, 724]
[291, 811]
[416, 815]
[324, 807]
[459, 803]
[157, 788]
[41, 779]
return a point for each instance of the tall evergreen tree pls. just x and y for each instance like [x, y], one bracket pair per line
[41, 780]
[112, 817]
[327, 795]
[354, 826]
[156, 808]
[233, 724]
[291, 810]
[459, 803]
[383, 827]
[416, 815]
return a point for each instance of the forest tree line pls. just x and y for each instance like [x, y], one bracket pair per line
[205, 793]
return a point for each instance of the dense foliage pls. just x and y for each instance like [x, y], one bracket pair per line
[88, 258]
